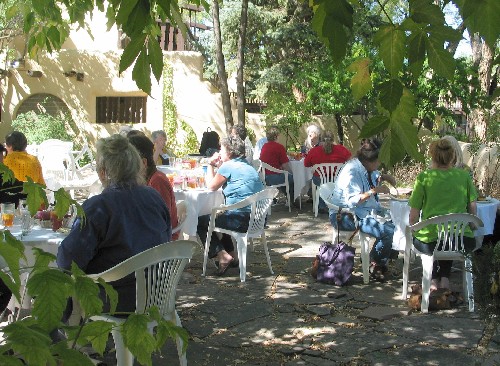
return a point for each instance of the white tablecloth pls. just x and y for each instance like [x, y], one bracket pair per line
[40, 238]
[301, 176]
[400, 212]
[198, 202]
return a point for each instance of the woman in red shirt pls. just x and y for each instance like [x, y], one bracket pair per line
[326, 152]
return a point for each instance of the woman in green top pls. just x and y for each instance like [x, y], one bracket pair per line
[441, 190]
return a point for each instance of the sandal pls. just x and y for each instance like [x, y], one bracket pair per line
[223, 267]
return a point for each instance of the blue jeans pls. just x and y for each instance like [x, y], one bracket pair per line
[273, 179]
[383, 233]
[231, 220]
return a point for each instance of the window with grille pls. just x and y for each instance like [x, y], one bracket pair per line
[121, 109]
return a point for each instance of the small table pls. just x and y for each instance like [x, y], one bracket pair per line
[199, 202]
[301, 176]
[41, 238]
[400, 213]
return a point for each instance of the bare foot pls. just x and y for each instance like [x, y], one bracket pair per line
[224, 257]
[434, 284]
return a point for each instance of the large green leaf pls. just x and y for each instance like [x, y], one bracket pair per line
[43, 259]
[406, 134]
[126, 8]
[337, 38]
[138, 339]
[7, 360]
[444, 33]
[87, 295]
[131, 51]
[110, 293]
[138, 19]
[36, 195]
[423, 11]
[440, 60]
[406, 109]
[341, 11]
[64, 201]
[318, 20]
[483, 16]
[6, 174]
[11, 251]
[155, 56]
[167, 329]
[95, 332]
[416, 52]
[51, 288]
[142, 72]
[374, 126]
[361, 82]
[68, 356]
[390, 94]
[392, 41]
[30, 341]
[392, 151]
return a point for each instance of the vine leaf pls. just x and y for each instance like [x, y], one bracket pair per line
[155, 57]
[138, 339]
[361, 82]
[392, 41]
[374, 126]
[423, 11]
[483, 17]
[142, 72]
[390, 94]
[131, 52]
[440, 60]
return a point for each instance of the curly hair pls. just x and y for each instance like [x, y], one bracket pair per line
[234, 146]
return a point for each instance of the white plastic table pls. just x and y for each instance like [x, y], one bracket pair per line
[301, 177]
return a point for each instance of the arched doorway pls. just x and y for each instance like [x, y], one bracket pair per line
[43, 103]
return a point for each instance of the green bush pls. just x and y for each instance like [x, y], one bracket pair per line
[41, 127]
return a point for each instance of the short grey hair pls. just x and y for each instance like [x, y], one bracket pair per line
[234, 145]
[120, 161]
[157, 134]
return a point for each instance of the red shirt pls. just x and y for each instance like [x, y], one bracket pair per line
[274, 154]
[317, 155]
[160, 182]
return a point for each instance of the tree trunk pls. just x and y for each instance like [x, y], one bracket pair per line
[477, 124]
[340, 128]
[221, 68]
[240, 86]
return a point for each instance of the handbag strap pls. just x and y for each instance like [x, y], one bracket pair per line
[338, 230]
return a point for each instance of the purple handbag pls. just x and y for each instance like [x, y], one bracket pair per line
[335, 263]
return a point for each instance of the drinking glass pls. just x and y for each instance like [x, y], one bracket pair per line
[26, 221]
[8, 212]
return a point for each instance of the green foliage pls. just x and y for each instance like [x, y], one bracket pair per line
[41, 127]
[173, 127]
[51, 288]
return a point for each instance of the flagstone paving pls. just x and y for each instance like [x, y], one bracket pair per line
[289, 319]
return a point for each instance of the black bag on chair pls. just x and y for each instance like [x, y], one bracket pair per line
[210, 142]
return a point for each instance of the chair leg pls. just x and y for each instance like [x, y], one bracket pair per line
[268, 257]
[364, 241]
[180, 343]
[406, 268]
[427, 263]
[469, 283]
[123, 356]
[288, 198]
[205, 255]
[315, 199]
[242, 256]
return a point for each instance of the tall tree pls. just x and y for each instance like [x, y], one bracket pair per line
[240, 83]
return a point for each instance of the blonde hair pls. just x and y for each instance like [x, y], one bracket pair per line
[442, 152]
[459, 159]
[327, 142]
[316, 131]
[120, 161]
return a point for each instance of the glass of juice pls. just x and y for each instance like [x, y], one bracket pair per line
[8, 212]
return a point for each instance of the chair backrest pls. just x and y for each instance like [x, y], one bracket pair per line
[450, 229]
[55, 157]
[327, 171]
[181, 215]
[326, 192]
[262, 173]
[157, 273]
[260, 203]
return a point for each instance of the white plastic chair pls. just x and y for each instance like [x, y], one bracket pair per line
[157, 272]
[56, 158]
[260, 203]
[327, 173]
[262, 173]
[450, 246]
[181, 215]
[326, 192]
[76, 169]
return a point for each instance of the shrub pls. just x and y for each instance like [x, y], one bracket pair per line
[41, 127]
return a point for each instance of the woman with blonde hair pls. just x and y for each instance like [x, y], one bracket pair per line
[441, 190]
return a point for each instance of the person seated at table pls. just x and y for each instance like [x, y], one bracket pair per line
[240, 131]
[21, 163]
[238, 180]
[161, 154]
[156, 179]
[441, 190]
[274, 154]
[325, 152]
[312, 140]
[127, 218]
[10, 191]
[357, 186]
